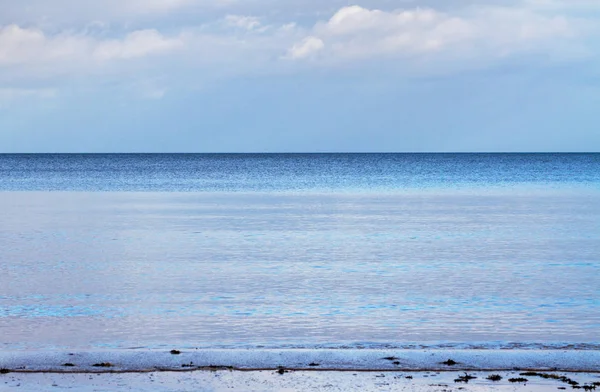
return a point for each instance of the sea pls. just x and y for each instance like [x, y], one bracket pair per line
[299, 251]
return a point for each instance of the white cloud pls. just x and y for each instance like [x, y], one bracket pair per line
[450, 38]
[209, 50]
[20, 46]
[244, 22]
[359, 33]
[355, 19]
[137, 44]
[308, 47]
[33, 48]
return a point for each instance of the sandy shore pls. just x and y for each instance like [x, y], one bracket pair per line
[227, 380]
[301, 370]
[298, 359]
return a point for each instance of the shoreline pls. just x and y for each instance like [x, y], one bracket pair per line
[324, 360]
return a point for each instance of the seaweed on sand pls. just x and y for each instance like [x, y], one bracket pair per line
[517, 379]
[449, 362]
[282, 370]
[214, 368]
[466, 378]
[103, 364]
[552, 376]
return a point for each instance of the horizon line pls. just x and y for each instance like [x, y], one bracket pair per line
[305, 153]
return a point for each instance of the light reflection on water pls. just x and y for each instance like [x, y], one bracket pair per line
[82, 270]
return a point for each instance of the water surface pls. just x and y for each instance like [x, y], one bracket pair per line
[124, 251]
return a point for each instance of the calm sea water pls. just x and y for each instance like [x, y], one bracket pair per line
[346, 250]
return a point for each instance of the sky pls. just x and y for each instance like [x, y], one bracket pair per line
[299, 76]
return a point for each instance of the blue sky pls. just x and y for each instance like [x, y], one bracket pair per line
[302, 76]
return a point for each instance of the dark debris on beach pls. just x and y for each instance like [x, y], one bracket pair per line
[282, 370]
[214, 368]
[449, 362]
[103, 364]
[465, 378]
[551, 376]
[518, 379]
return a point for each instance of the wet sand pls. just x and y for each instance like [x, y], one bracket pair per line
[227, 380]
[301, 359]
[302, 370]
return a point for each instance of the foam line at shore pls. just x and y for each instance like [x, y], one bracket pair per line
[297, 359]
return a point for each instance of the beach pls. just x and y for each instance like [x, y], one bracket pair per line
[272, 381]
[301, 370]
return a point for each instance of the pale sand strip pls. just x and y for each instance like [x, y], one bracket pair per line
[296, 359]
[263, 381]
[296, 370]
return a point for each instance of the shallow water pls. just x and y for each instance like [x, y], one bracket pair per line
[493, 264]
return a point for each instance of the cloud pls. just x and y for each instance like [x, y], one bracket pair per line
[33, 49]
[244, 22]
[137, 44]
[308, 47]
[20, 46]
[355, 33]
[423, 38]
